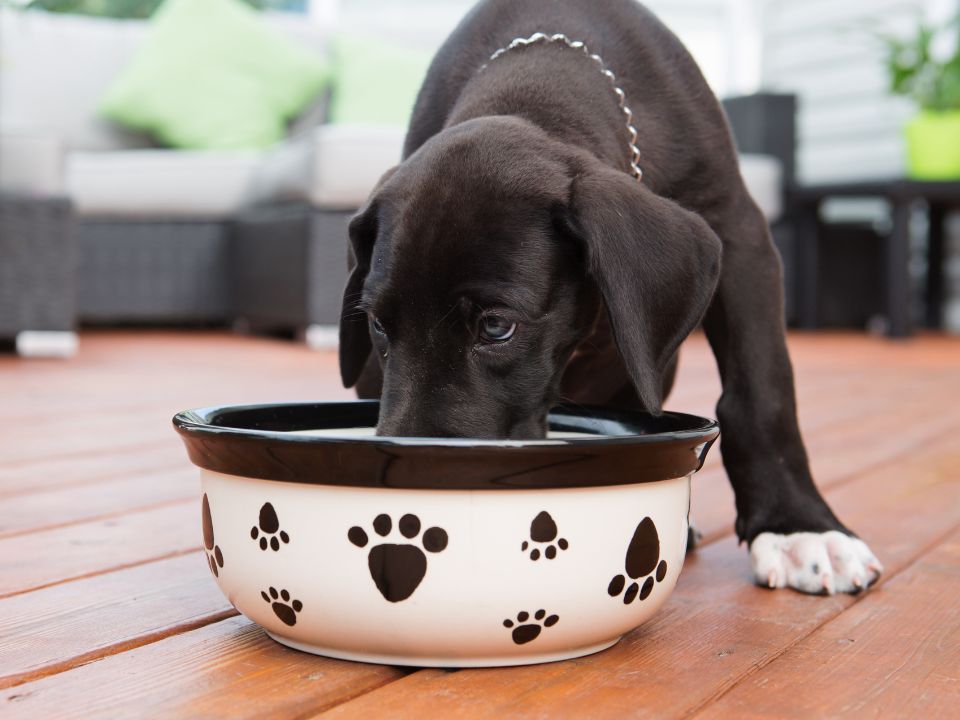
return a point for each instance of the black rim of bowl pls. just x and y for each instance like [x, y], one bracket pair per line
[260, 441]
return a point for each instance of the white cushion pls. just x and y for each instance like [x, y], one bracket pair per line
[349, 160]
[161, 182]
[285, 171]
[55, 68]
[31, 163]
[763, 175]
[188, 183]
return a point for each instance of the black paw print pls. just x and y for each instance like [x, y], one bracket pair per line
[283, 608]
[398, 568]
[643, 558]
[214, 554]
[269, 524]
[543, 530]
[527, 631]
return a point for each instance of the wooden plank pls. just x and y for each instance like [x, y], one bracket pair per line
[715, 629]
[103, 545]
[896, 654]
[840, 435]
[732, 562]
[912, 357]
[72, 436]
[825, 407]
[842, 425]
[823, 402]
[230, 669]
[122, 425]
[64, 626]
[111, 362]
[65, 506]
[99, 546]
[43, 474]
[109, 373]
[144, 488]
[830, 371]
[35, 560]
[837, 456]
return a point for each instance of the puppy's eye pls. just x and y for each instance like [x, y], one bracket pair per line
[496, 328]
[378, 327]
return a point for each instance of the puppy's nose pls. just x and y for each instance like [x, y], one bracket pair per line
[420, 414]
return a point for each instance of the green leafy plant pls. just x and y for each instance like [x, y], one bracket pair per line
[138, 9]
[915, 72]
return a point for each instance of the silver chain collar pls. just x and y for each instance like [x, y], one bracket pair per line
[617, 90]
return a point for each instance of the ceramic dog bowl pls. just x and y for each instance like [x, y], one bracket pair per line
[442, 552]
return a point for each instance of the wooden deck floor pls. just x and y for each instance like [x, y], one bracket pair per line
[107, 608]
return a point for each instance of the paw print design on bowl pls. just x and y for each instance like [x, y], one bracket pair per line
[543, 538]
[268, 529]
[527, 629]
[214, 554]
[643, 559]
[398, 568]
[281, 604]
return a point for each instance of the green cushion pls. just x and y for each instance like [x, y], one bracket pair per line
[375, 82]
[212, 75]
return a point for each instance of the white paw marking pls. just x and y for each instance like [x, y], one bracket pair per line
[827, 562]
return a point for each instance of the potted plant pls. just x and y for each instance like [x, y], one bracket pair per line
[920, 69]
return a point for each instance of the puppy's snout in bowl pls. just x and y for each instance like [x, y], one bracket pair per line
[465, 420]
[456, 427]
[449, 552]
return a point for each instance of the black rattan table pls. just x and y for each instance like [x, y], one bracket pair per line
[38, 260]
[939, 197]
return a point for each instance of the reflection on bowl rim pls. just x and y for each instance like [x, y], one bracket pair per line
[258, 441]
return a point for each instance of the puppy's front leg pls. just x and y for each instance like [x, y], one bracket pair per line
[795, 539]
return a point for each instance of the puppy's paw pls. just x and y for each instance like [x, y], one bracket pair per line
[815, 563]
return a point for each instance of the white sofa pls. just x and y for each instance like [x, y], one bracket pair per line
[54, 69]
[151, 224]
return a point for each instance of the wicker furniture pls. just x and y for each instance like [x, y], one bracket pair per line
[901, 195]
[289, 259]
[37, 274]
[288, 270]
[151, 225]
[160, 234]
[153, 271]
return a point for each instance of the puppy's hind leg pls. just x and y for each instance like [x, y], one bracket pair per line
[795, 539]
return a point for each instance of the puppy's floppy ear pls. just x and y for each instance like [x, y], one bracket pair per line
[355, 345]
[656, 264]
[355, 342]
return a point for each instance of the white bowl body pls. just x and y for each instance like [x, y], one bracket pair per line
[455, 604]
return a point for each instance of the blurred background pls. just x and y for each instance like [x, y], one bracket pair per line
[192, 163]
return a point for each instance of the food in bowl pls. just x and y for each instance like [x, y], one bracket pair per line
[444, 552]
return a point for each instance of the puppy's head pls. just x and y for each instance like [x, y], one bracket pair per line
[480, 263]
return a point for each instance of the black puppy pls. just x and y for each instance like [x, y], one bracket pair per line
[514, 257]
